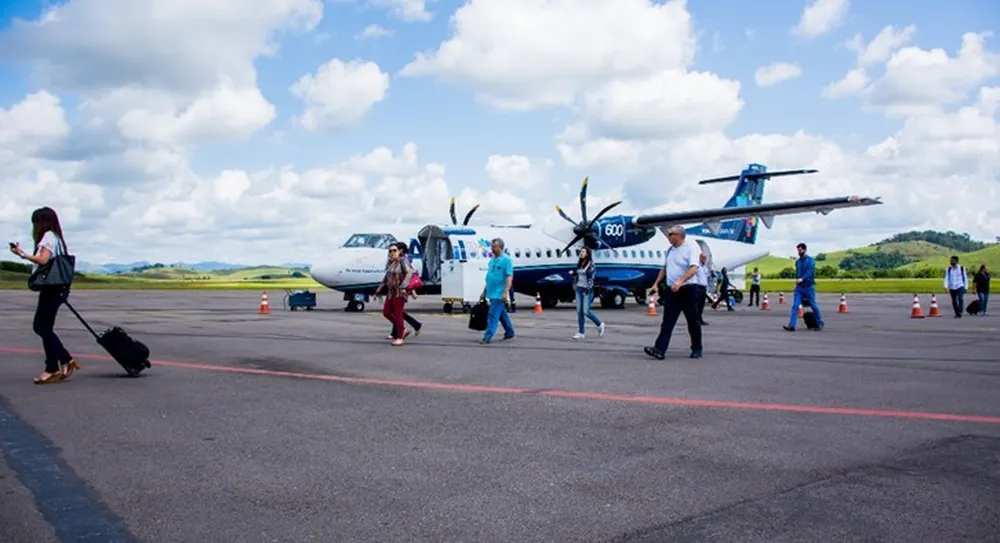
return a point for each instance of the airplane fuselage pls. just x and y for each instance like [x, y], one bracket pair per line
[541, 266]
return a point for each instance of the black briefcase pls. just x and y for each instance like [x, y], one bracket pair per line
[131, 354]
[477, 316]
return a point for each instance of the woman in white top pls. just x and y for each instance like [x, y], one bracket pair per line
[49, 242]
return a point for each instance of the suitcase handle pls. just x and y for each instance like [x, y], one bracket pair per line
[71, 308]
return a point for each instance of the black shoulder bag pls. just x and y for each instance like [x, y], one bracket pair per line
[57, 273]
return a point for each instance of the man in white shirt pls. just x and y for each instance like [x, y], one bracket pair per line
[681, 295]
[955, 283]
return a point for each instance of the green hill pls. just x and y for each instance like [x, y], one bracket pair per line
[989, 256]
[898, 259]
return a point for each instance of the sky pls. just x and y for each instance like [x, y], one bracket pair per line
[266, 131]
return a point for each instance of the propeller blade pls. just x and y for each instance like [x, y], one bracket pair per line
[570, 244]
[454, 220]
[583, 198]
[603, 211]
[469, 215]
[565, 216]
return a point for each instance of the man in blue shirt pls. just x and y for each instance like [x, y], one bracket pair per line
[805, 289]
[499, 278]
[681, 295]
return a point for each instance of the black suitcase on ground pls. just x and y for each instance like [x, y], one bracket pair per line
[131, 354]
[974, 307]
[477, 316]
[809, 318]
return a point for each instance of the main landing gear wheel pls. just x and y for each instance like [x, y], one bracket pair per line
[614, 300]
[355, 306]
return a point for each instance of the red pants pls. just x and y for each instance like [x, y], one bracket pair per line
[393, 310]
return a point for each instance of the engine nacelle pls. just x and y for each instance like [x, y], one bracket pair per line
[621, 231]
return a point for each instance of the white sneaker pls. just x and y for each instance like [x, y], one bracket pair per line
[578, 335]
[600, 330]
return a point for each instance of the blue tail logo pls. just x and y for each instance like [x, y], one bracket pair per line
[749, 192]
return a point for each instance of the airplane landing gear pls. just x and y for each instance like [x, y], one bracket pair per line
[355, 306]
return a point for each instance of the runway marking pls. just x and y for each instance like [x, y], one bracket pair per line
[557, 393]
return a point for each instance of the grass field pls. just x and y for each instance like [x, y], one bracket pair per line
[929, 255]
[19, 281]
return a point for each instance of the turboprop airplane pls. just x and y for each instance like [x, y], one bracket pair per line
[629, 250]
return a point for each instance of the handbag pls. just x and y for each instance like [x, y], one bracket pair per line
[415, 281]
[57, 273]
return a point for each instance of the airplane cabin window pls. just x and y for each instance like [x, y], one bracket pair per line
[517, 253]
[375, 241]
[538, 253]
[548, 253]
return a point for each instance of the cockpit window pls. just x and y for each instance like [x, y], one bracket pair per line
[375, 241]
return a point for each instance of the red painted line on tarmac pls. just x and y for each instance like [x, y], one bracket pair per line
[568, 394]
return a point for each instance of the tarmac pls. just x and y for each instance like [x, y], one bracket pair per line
[310, 426]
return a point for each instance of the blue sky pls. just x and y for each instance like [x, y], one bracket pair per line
[451, 127]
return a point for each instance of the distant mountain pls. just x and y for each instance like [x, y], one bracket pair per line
[112, 268]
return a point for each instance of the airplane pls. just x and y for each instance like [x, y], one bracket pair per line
[629, 250]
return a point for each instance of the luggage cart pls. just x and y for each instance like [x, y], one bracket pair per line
[293, 300]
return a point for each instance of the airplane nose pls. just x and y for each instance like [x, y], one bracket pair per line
[327, 272]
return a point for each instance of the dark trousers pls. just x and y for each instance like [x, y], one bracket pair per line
[44, 325]
[393, 311]
[957, 301]
[675, 303]
[754, 289]
[414, 323]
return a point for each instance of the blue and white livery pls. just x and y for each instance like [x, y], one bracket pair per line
[628, 249]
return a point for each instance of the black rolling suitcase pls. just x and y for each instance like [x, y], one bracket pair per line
[130, 353]
[809, 318]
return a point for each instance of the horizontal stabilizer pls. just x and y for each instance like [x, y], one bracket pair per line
[770, 210]
[755, 175]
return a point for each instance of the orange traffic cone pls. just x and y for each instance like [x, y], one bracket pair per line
[651, 308]
[781, 298]
[916, 312]
[765, 306]
[538, 303]
[264, 306]
[935, 310]
[801, 312]
[843, 305]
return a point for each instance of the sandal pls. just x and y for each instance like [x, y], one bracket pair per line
[69, 367]
[46, 378]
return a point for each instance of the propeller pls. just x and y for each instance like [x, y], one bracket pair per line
[454, 220]
[584, 229]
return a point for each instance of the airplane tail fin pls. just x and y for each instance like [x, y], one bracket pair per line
[749, 192]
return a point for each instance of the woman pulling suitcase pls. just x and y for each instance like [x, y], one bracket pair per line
[49, 243]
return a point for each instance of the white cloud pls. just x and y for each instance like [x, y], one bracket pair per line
[374, 31]
[407, 10]
[175, 45]
[516, 172]
[340, 93]
[821, 17]
[916, 81]
[30, 125]
[775, 73]
[523, 54]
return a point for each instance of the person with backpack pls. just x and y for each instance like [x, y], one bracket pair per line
[955, 283]
[49, 243]
[583, 284]
[981, 283]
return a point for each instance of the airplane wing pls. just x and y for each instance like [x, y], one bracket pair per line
[713, 217]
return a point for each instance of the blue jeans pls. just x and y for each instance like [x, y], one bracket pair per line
[498, 314]
[984, 298]
[584, 297]
[958, 301]
[806, 296]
